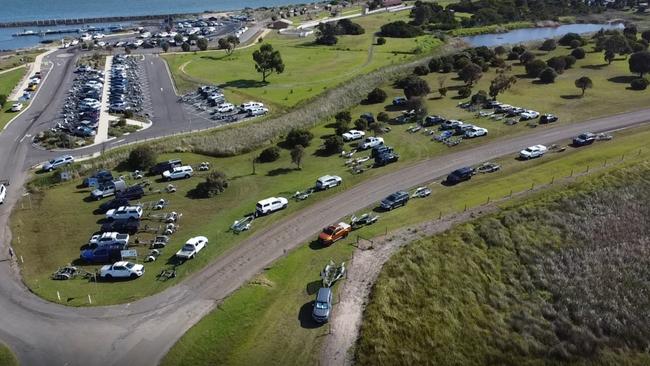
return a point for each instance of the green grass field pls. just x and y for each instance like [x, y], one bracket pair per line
[309, 69]
[6, 357]
[8, 82]
[18, 58]
[262, 320]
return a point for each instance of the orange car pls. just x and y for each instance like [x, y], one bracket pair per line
[334, 232]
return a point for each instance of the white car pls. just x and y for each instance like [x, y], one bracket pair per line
[476, 132]
[124, 213]
[328, 181]
[121, 269]
[269, 205]
[192, 247]
[225, 108]
[251, 105]
[353, 135]
[529, 114]
[371, 142]
[109, 238]
[58, 162]
[257, 111]
[533, 152]
[179, 172]
[16, 107]
[3, 193]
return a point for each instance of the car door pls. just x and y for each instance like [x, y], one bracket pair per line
[119, 271]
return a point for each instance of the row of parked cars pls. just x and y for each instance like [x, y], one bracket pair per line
[125, 91]
[80, 115]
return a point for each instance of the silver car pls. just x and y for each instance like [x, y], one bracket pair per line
[58, 162]
[322, 305]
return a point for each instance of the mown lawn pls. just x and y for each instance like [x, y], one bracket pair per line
[309, 69]
[8, 82]
[264, 320]
[18, 58]
[7, 358]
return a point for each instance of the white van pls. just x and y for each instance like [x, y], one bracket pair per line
[269, 205]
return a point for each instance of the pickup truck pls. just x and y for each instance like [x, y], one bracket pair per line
[103, 191]
[108, 238]
[371, 142]
[333, 233]
[124, 213]
[353, 135]
[192, 247]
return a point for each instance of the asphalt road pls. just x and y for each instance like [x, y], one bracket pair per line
[140, 333]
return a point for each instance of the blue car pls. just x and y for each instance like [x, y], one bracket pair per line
[104, 254]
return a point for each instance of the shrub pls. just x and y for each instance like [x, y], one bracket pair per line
[447, 67]
[383, 117]
[298, 136]
[215, 183]
[346, 26]
[464, 92]
[570, 38]
[548, 45]
[526, 57]
[400, 29]
[435, 64]
[534, 68]
[381, 41]
[269, 154]
[518, 49]
[185, 47]
[480, 98]
[557, 63]
[575, 44]
[639, 84]
[142, 157]
[361, 124]
[512, 56]
[548, 75]
[3, 99]
[333, 144]
[416, 87]
[421, 70]
[579, 53]
[341, 126]
[570, 61]
[376, 96]
[202, 44]
[343, 115]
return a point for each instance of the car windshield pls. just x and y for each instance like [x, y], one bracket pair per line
[130, 265]
[188, 247]
[321, 305]
[328, 230]
[529, 149]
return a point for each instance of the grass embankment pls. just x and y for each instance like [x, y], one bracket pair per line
[8, 82]
[494, 28]
[18, 58]
[309, 69]
[7, 358]
[560, 279]
[266, 322]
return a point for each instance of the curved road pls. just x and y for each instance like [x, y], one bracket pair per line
[140, 333]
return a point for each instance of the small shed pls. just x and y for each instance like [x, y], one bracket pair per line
[280, 24]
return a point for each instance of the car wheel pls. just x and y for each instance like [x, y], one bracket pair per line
[108, 277]
[284, 206]
[187, 176]
[133, 276]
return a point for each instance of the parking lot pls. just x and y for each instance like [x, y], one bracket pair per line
[208, 104]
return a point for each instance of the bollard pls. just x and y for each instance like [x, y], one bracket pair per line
[532, 186]
[90, 301]
[465, 209]
[622, 157]
[58, 296]
[488, 200]
[553, 180]
[571, 173]
[440, 215]
[587, 171]
[605, 163]
[510, 194]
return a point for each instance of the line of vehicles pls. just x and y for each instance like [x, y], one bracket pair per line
[80, 114]
[125, 90]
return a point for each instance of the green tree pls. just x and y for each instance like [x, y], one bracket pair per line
[341, 126]
[185, 47]
[579, 53]
[557, 63]
[3, 99]
[268, 61]
[548, 45]
[640, 62]
[471, 73]
[164, 45]
[646, 35]
[298, 137]
[584, 83]
[547, 75]
[269, 154]
[343, 115]
[361, 124]
[178, 39]
[376, 96]
[381, 41]
[416, 87]
[215, 183]
[435, 64]
[333, 144]
[526, 57]
[421, 70]
[326, 34]
[202, 44]
[142, 157]
[464, 92]
[501, 83]
[297, 154]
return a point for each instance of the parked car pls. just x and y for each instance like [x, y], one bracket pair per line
[257, 111]
[583, 139]
[460, 175]
[476, 132]
[124, 213]
[108, 238]
[328, 181]
[368, 117]
[269, 205]
[98, 178]
[528, 115]
[353, 135]
[225, 108]
[371, 142]
[322, 305]
[179, 172]
[378, 150]
[122, 226]
[16, 107]
[334, 233]
[131, 193]
[421, 192]
[386, 158]
[113, 204]
[105, 254]
[399, 101]
[192, 247]
[395, 200]
[533, 152]
[108, 189]
[164, 166]
[451, 124]
[3, 193]
[548, 118]
[432, 121]
[57, 163]
[121, 269]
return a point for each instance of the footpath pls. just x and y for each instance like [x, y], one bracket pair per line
[32, 68]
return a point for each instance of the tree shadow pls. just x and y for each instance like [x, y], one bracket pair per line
[243, 84]
[304, 316]
[394, 108]
[213, 58]
[280, 171]
[574, 96]
[316, 245]
[539, 82]
[322, 153]
[313, 287]
[593, 67]
[524, 76]
[622, 79]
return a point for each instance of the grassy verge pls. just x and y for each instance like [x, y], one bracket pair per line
[8, 82]
[19, 58]
[544, 282]
[7, 358]
[495, 28]
[262, 321]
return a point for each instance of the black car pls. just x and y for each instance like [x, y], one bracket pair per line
[114, 203]
[547, 118]
[131, 193]
[379, 150]
[583, 139]
[101, 177]
[460, 175]
[386, 158]
[432, 121]
[368, 117]
[121, 226]
[395, 200]
[165, 166]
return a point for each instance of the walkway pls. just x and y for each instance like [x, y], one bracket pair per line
[104, 116]
[33, 68]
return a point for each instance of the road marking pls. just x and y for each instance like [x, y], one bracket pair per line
[161, 89]
[118, 141]
[24, 137]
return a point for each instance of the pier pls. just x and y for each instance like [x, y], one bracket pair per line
[77, 21]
